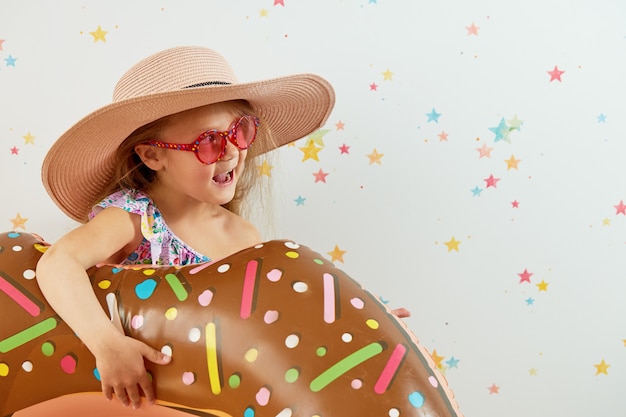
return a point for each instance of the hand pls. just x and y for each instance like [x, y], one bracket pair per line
[401, 313]
[122, 370]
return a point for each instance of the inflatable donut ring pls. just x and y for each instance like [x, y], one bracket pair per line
[274, 330]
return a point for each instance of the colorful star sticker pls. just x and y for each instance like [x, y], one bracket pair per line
[10, 61]
[512, 162]
[530, 301]
[310, 151]
[493, 389]
[265, 169]
[542, 286]
[99, 35]
[320, 176]
[602, 368]
[555, 74]
[387, 75]
[375, 157]
[318, 136]
[476, 191]
[279, 2]
[263, 13]
[433, 116]
[525, 276]
[491, 181]
[1, 42]
[300, 200]
[515, 123]
[601, 118]
[28, 138]
[336, 254]
[373, 87]
[339, 125]
[443, 136]
[437, 359]
[620, 208]
[15, 151]
[532, 372]
[452, 244]
[19, 222]
[452, 362]
[472, 29]
[484, 151]
[344, 149]
[606, 222]
[515, 204]
[501, 131]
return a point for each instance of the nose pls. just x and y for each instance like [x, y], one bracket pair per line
[230, 152]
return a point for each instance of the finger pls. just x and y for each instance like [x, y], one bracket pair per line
[155, 356]
[120, 393]
[107, 390]
[148, 389]
[133, 394]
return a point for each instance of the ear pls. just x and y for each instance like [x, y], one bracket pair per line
[151, 156]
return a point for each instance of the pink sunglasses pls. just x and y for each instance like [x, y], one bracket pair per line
[211, 145]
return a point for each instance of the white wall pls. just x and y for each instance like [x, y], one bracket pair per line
[393, 219]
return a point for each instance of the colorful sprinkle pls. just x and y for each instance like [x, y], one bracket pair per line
[357, 303]
[27, 334]
[292, 341]
[234, 381]
[292, 254]
[330, 299]
[20, 295]
[48, 348]
[4, 369]
[390, 369]
[292, 375]
[205, 298]
[344, 365]
[271, 316]
[249, 289]
[171, 313]
[212, 359]
[177, 286]
[372, 324]
[274, 275]
[416, 399]
[189, 378]
[145, 289]
[27, 366]
[263, 396]
[68, 364]
[251, 355]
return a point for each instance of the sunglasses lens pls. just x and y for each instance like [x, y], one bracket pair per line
[246, 132]
[211, 147]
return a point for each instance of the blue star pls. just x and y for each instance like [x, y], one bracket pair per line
[530, 301]
[452, 362]
[476, 191]
[372, 2]
[433, 116]
[501, 131]
[10, 61]
[299, 201]
[601, 118]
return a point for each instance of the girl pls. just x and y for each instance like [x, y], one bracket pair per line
[160, 176]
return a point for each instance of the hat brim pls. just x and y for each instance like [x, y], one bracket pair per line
[79, 165]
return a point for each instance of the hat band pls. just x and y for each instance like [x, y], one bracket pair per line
[206, 83]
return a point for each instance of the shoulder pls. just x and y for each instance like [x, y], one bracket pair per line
[132, 201]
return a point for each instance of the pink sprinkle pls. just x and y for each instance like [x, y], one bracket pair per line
[136, 322]
[263, 396]
[357, 303]
[68, 364]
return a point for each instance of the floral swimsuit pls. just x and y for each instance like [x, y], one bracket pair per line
[160, 246]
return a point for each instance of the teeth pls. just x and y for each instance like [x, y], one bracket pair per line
[223, 177]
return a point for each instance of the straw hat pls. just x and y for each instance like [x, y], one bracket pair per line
[79, 165]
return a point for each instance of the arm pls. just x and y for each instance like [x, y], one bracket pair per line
[61, 275]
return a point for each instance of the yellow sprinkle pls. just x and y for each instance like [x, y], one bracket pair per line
[292, 255]
[251, 355]
[372, 324]
[148, 272]
[171, 313]
[104, 284]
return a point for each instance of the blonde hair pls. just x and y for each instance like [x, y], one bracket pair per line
[131, 173]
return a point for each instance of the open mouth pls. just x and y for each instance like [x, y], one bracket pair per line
[223, 178]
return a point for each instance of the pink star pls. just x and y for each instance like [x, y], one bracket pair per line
[493, 389]
[491, 181]
[14, 151]
[484, 151]
[555, 74]
[320, 176]
[472, 29]
[344, 149]
[443, 136]
[373, 87]
[339, 125]
[621, 208]
[515, 204]
[525, 276]
[1, 41]
[281, 2]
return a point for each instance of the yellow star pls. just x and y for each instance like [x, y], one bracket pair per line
[318, 136]
[265, 169]
[336, 254]
[602, 368]
[263, 13]
[624, 340]
[19, 221]
[99, 35]
[437, 359]
[532, 372]
[310, 151]
[387, 75]
[29, 139]
[512, 162]
[543, 286]
[606, 222]
[452, 244]
[375, 157]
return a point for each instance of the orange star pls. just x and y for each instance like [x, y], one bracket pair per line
[437, 359]
[19, 222]
[493, 389]
[602, 368]
[336, 254]
[375, 157]
[339, 125]
[512, 162]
